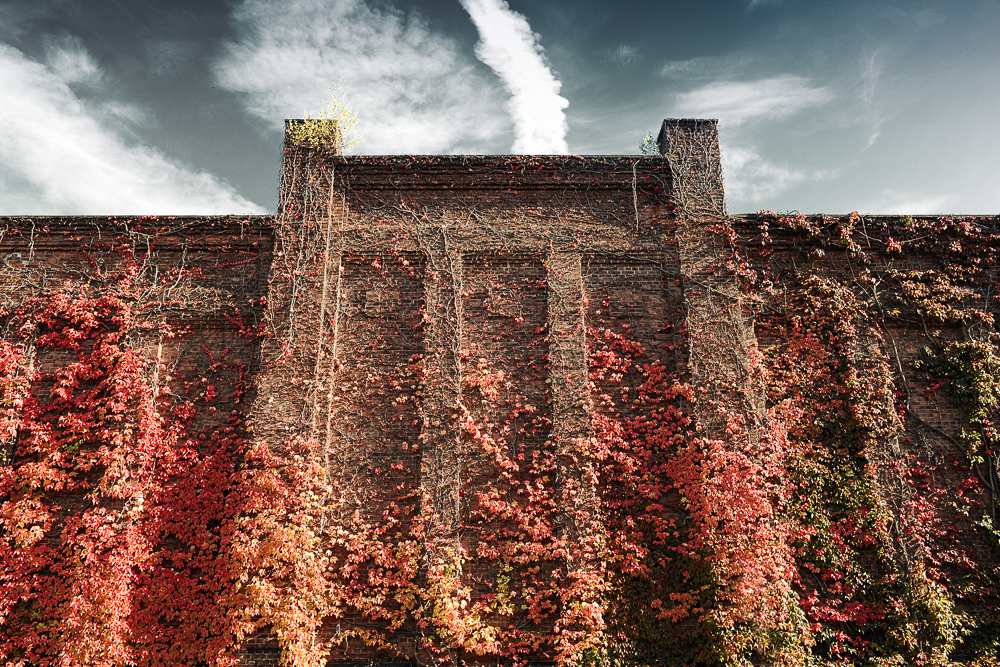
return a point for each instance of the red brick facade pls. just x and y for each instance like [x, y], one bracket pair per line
[368, 314]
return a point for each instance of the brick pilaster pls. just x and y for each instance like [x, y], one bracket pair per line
[571, 405]
[441, 464]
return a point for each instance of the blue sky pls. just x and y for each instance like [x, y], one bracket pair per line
[176, 107]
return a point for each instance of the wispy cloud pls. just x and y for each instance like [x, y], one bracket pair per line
[693, 67]
[737, 102]
[919, 19]
[57, 158]
[870, 111]
[70, 62]
[508, 45]
[749, 178]
[413, 91]
[624, 55]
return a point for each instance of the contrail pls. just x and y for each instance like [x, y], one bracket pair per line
[511, 49]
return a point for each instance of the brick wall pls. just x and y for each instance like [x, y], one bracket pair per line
[785, 257]
[388, 287]
[485, 266]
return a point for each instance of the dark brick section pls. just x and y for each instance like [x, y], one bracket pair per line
[504, 173]
[379, 333]
[261, 650]
[639, 297]
[504, 307]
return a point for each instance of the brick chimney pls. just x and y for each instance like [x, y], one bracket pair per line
[310, 145]
[692, 147]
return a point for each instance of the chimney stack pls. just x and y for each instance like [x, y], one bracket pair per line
[692, 147]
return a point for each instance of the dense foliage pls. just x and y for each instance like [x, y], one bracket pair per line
[141, 525]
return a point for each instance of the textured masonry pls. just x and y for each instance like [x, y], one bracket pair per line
[498, 249]
[388, 286]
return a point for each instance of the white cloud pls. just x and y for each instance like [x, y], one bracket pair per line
[749, 178]
[412, 90]
[122, 114]
[56, 158]
[512, 50]
[736, 102]
[69, 61]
